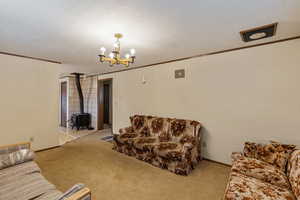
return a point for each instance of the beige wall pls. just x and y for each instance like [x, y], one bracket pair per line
[251, 94]
[29, 101]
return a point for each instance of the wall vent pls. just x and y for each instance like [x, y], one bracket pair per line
[179, 73]
[259, 32]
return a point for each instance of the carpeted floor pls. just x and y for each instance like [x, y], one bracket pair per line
[114, 176]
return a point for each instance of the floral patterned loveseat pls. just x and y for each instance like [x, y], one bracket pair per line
[172, 144]
[265, 172]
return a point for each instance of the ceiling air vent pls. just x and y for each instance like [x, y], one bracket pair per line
[259, 32]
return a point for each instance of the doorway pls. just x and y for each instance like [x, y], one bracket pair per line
[105, 105]
[63, 104]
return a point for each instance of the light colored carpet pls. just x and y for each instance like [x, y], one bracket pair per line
[114, 176]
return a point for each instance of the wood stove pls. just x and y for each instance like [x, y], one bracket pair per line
[80, 120]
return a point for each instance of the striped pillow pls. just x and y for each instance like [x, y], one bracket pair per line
[16, 157]
[13, 148]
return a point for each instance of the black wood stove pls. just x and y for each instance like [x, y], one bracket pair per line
[80, 120]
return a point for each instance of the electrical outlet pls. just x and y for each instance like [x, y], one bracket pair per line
[31, 139]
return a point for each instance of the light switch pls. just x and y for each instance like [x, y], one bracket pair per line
[143, 80]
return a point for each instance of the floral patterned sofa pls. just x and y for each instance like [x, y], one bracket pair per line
[172, 144]
[265, 172]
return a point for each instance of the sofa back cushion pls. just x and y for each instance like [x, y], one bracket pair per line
[138, 122]
[166, 129]
[184, 131]
[274, 153]
[146, 126]
[294, 172]
[159, 128]
[141, 125]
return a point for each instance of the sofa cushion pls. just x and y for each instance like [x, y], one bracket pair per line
[23, 185]
[50, 195]
[144, 131]
[274, 153]
[128, 135]
[241, 187]
[165, 128]
[11, 174]
[127, 138]
[138, 122]
[251, 149]
[183, 127]
[159, 127]
[145, 143]
[180, 128]
[260, 170]
[294, 172]
[170, 151]
[165, 137]
[16, 157]
[26, 187]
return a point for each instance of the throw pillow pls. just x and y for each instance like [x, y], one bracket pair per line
[16, 157]
[274, 153]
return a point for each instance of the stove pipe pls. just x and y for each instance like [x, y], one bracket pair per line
[78, 85]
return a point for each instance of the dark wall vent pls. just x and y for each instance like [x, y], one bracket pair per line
[259, 32]
[179, 73]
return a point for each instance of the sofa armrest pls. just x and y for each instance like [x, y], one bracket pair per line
[83, 194]
[77, 192]
[188, 146]
[236, 156]
[14, 147]
[128, 129]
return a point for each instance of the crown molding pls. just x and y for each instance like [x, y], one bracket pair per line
[29, 57]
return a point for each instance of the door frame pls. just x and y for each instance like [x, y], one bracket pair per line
[62, 80]
[100, 105]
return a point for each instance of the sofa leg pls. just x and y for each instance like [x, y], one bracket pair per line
[181, 172]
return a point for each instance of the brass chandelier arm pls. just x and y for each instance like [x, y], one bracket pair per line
[112, 61]
[126, 61]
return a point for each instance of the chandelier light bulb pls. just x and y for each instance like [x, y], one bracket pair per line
[127, 56]
[132, 51]
[111, 55]
[102, 50]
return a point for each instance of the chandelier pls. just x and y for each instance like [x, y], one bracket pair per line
[114, 58]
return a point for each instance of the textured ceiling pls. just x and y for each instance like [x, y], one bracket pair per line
[73, 31]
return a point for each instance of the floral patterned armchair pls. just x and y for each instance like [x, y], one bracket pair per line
[172, 144]
[265, 172]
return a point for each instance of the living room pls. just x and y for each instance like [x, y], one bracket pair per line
[150, 100]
